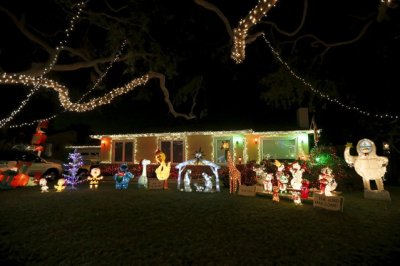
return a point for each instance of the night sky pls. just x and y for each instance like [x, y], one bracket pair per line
[194, 43]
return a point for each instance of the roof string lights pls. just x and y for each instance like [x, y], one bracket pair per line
[240, 33]
[47, 69]
[322, 95]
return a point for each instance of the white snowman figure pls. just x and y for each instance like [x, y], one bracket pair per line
[367, 164]
[297, 176]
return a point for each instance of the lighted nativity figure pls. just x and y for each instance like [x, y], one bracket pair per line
[122, 177]
[143, 181]
[198, 160]
[297, 175]
[94, 178]
[43, 185]
[187, 180]
[367, 164]
[208, 185]
[60, 185]
[327, 181]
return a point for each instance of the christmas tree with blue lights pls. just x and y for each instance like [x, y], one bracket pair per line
[75, 162]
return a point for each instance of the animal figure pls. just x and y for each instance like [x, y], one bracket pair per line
[367, 164]
[143, 182]
[162, 171]
[297, 176]
[327, 181]
[198, 187]
[234, 175]
[296, 197]
[94, 178]
[43, 185]
[123, 177]
[186, 181]
[267, 182]
[207, 182]
[60, 185]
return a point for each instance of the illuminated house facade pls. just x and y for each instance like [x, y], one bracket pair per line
[245, 145]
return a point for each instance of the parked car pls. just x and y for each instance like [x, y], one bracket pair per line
[47, 169]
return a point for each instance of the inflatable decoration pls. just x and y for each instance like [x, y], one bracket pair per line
[123, 177]
[142, 181]
[94, 177]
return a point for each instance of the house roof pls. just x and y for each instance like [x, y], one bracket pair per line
[214, 133]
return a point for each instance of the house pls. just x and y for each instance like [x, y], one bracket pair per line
[244, 145]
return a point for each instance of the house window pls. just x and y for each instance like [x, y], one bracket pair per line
[173, 150]
[123, 152]
[221, 147]
[279, 148]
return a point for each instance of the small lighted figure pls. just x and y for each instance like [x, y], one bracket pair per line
[123, 177]
[296, 197]
[164, 169]
[143, 181]
[305, 189]
[43, 185]
[275, 194]
[94, 178]
[267, 182]
[207, 182]
[186, 181]
[60, 185]
[297, 175]
[327, 181]
[281, 177]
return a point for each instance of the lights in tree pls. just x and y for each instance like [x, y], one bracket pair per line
[240, 33]
[72, 23]
[63, 93]
[322, 95]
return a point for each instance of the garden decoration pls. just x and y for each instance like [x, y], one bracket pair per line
[122, 177]
[275, 194]
[60, 185]
[39, 138]
[187, 180]
[142, 181]
[281, 177]
[198, 160]
[297, 175]
[327, 181]
[43, 185]
[267, 182]
[94, 178]
[208, 185]
[369, 166]
[305, 189]
[234, 176]
[164, 169]
[72, 168]
[7, 177]
[296, 197]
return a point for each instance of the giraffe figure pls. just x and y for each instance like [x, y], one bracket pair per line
[234, 175]
[142, 182]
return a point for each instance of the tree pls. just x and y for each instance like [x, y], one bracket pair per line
[72, 168]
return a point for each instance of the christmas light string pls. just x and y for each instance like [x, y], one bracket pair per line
[322, 95]
[47, 69]
[117, 56]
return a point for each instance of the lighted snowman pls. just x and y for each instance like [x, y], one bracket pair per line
[367, 164]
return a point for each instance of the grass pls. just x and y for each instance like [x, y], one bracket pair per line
[140, 227]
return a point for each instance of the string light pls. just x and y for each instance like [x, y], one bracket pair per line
[240, 33]
[322, 95]
[117, 56]
[47, 69]
[63, 93]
